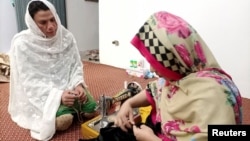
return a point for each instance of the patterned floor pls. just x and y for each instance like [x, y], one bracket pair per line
[101, 79]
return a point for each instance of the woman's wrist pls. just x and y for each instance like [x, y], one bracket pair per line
[155, 138]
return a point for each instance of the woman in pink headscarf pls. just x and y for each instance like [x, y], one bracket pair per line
[196, 93]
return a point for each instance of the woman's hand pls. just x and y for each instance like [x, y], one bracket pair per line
[69, 97]
[144, 133]
[125, 118]
[81, 95]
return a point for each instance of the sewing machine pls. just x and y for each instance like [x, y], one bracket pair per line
[108, 107]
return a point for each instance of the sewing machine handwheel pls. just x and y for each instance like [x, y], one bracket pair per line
[135, 87]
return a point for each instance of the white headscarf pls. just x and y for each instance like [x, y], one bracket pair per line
[41, 69]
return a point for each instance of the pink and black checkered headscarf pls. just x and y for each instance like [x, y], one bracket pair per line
[172, 46]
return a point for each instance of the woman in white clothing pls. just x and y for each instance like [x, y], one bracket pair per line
[47, 85]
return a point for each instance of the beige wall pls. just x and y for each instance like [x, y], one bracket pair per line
[8, 25]
[83, 22]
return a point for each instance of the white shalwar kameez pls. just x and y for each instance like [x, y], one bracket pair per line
[41, 69]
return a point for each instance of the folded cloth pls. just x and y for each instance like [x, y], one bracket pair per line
[4, 68]
[111, 133]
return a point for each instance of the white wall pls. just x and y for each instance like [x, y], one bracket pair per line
[223, 24]
[8, 25]
[83, 22]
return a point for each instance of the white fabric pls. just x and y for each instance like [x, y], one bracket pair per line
[41, 69]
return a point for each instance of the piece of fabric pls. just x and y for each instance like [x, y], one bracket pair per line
[110, 133]
[4, 68]
[42, 68]
[79, 108]
[197, 91]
